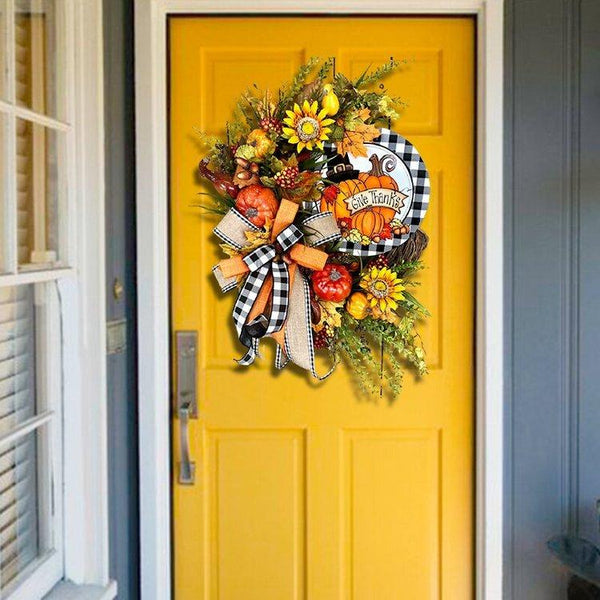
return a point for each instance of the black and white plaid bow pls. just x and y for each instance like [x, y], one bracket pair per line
[262, 261]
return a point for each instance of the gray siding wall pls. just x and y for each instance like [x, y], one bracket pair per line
[553, 285]
[120, 263]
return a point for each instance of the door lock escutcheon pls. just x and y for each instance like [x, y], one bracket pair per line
[186, 399]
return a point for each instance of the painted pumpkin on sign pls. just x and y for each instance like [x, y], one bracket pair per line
[369, 221]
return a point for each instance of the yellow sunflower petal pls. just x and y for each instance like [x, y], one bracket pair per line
[319, 145]
[392, 303]
[288, 131]
[291, 114]
[297, 109]
[294, 139]
[301, 146]
[325, 122]
[373, 301]
[306, 106]
[314, 107]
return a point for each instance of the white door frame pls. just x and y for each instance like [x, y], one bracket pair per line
[153, 267]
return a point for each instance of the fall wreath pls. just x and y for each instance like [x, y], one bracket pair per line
[321, 209]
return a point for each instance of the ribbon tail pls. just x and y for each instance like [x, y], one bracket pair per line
[249, 333]
[280, 297]
[298, 343]
[281, 359]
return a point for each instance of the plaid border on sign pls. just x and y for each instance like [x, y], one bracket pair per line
[409, 155]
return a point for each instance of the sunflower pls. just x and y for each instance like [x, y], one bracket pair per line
[307, 127]
[383, 287]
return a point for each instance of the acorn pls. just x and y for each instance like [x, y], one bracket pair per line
[246, 172]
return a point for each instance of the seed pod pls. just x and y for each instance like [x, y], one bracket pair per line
[315, 311]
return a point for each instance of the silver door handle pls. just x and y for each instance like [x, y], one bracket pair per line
[186, 401]
[187, 468]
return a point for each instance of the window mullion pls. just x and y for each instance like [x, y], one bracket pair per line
[26, 427]
[35, 117]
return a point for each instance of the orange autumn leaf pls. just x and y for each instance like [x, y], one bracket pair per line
[356, 133]
[353, 142]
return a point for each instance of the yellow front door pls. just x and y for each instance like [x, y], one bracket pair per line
[306, 490]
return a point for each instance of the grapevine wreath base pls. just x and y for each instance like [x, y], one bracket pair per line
[321, 212]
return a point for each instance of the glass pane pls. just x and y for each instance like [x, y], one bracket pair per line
[3, 63]
[36, 37]
[39, 154]
[17, 356]
[21, 493]
[4, 183]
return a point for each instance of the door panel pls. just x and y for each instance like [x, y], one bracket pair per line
[307, 490]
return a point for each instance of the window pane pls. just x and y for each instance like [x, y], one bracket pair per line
[17, 356]
[21, 539]
[36, 37]
[39, 152]
[3, 64]
[4, 183]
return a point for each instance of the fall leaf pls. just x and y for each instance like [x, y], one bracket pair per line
[353, 142]
[257, 238]
[329, 314]
[356, 133]
[305, 190]
[230, 250]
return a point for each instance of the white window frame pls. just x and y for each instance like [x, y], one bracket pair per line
[82, 559]
[153, 267]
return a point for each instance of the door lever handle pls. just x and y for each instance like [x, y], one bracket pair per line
[186, 401]
[187, 468]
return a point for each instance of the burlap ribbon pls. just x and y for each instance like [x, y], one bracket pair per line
[275, 297]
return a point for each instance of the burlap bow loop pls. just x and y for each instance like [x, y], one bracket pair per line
[274, 289]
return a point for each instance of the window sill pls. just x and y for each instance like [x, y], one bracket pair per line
[65, 590]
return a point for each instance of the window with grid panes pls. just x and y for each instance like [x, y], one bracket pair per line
[34, 139]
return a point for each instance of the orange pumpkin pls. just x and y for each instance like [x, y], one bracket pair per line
[375, 178]
[257, 203]
[369, 222]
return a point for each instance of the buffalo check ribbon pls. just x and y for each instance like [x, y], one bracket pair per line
[274, 299]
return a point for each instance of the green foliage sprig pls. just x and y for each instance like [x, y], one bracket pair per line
[378, 352]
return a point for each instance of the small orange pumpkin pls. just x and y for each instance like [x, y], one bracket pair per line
[358, 305]
[257, 203]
